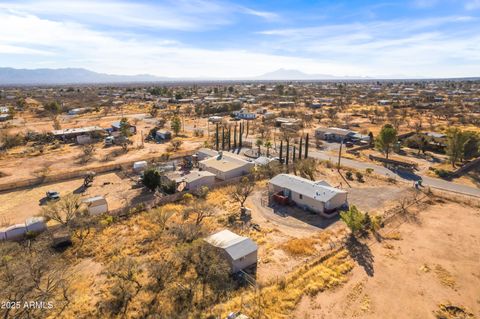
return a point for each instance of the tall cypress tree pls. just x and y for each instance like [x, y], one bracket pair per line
[306, 146]
[288, 152]
[235, 136]
[223, 137]
[300, 148]
[281, 152]
[216, 138]
[294, 153]
[229, 138]
[240, 137]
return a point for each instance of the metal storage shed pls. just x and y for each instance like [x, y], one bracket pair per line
[96, 205]
[241, 252]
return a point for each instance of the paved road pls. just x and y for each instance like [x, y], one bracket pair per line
[406, 176]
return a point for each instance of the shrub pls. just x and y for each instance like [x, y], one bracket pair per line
[369, 171]
[359, 176]
[349, 175]
[442, 173]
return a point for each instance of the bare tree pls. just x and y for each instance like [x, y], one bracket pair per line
[243, 190]
[64, 210]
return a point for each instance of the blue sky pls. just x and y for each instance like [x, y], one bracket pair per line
[199, 38]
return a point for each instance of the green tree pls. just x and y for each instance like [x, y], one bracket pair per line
[125, 127]
[386, 138]
[259, 144]
[268, 146]
[354, 219]
[176, 125]
[456, 141]
[151, 179]
[53, 108]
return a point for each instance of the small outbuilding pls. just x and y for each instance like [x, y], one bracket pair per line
[36, 225]
[15, 232]
[240, 252]
[197, 179]
[140, 166]
[96, 205]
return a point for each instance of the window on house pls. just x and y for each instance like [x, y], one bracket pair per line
[301, 196]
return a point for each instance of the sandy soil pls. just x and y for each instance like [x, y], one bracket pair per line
[21, 204]
[435, 262]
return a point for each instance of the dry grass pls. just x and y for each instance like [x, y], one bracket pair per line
[444, 276]
[395, 235]
[300, 246]
[449, 311]
[280, 299]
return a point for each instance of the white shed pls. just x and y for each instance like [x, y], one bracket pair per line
[35, 224]
[197, 179]
[96, 205]
[241, 252]
[15, 232]
[140, 166]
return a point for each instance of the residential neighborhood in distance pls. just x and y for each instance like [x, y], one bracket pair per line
[239, 160]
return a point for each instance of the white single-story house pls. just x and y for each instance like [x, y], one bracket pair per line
[334, 134]
[318, 197]
[96, 205]
[240, 252]
[226, 165]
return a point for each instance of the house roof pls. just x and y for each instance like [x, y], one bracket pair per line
[79, 130]
[225, 162]
[193, 176]
[335, 130]
[320, 190]
[235, 245]
[95, 201]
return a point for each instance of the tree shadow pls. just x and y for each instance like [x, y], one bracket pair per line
[361, 253]
[80, 190]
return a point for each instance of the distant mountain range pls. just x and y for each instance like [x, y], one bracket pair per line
[11, 76]
[284, 74]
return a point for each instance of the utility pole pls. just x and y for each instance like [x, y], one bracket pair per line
[340, 154]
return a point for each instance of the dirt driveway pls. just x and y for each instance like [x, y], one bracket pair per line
[20, 204]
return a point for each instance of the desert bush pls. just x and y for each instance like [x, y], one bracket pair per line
[198, 132]
[349, 175]
[8, 140]
[359, 176]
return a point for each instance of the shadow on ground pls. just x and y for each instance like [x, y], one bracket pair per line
[361, 253]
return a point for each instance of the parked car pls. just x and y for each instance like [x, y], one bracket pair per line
[348, 144]
[53, 195]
